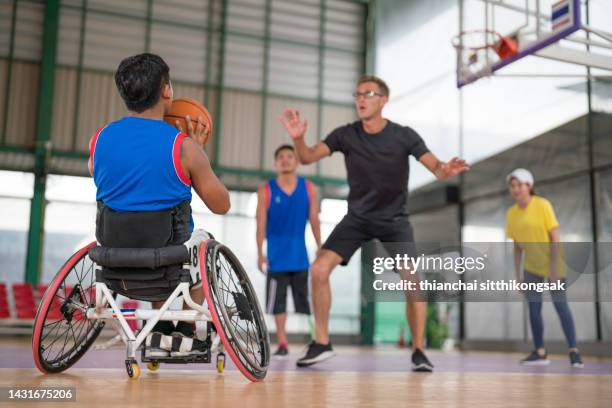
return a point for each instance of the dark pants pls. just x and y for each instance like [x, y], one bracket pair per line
[534, 300]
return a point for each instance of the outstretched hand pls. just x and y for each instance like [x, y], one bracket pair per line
[295, 127]
[454, 166]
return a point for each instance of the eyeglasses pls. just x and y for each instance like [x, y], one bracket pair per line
[367, 95]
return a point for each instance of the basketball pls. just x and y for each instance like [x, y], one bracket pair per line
[186, 106]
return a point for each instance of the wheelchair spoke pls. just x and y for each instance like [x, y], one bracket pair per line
[63, 335]
[248, 343]
[54, 329]
[57, 337]
[51, 324]
[81, 276]
[226, 290]
[65, 332]
[247, 330]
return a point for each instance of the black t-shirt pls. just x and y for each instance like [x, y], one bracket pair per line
[377, 168]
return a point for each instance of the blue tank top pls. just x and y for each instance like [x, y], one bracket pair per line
[137, 165]
[285, 227]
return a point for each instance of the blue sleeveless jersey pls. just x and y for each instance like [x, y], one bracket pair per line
[285, 227]
[137, 165]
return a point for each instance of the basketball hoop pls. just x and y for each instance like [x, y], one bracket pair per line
[478, 50]
[541, 28]
[477, 41]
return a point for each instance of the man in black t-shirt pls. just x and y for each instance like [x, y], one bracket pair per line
[376, 153]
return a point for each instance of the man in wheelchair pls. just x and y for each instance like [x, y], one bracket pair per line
[144, 169]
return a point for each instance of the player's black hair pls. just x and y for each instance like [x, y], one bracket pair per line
[140, 79]
[281, 148]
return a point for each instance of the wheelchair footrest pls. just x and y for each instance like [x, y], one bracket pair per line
[202, 356]
[194, 358]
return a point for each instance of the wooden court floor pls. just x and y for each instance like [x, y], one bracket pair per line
[358, 377]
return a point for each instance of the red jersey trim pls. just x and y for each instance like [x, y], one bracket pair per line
[309, 189]
[176, 159]
[268, 195]
[92, 146]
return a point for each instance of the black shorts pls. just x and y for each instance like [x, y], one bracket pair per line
[351, 233]
[276, 291]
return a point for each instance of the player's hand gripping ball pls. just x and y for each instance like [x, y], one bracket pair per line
[190, 107]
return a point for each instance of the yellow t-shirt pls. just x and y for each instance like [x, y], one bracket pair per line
[530, 226]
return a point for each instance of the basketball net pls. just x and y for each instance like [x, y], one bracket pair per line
[478, 50]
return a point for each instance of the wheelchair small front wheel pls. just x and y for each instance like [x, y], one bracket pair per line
[133, 369]
[153, 365]
[235, 310]
[62, 333]
[220, 362]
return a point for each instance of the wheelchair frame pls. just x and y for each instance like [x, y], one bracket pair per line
[107, 309]
[116, 314]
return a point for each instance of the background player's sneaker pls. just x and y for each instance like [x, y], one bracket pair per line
[281, 352]
[534, 359]
[420, 363]
[575, 359]
[316, 353]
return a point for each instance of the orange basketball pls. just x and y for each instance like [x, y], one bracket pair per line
[187, 106]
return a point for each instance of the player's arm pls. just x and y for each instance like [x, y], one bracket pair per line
[261, 215]
[313, 215]
[204, 181]
[443, 170]
[307, 155]
[297, 129]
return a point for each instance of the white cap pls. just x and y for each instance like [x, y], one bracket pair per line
[522, 175]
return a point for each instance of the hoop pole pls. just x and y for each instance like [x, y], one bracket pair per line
[487, 59]
[538, 28]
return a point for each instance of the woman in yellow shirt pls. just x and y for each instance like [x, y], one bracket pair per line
[532, 225]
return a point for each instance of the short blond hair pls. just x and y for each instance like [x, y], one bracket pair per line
[384, 88]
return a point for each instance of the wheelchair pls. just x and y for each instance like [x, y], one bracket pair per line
[78, 304]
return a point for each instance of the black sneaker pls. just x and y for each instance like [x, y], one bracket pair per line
[281, 352]
[420, 363]
[164, 327]
[315, 354]
[575, 359]
[158, 344]
[534, 359]
[187, 329]
[183, 346]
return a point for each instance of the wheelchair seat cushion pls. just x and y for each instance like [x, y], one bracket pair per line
[151, 258]
[133, 283]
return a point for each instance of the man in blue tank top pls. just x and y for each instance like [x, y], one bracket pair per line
[140, 163]
[284, 207]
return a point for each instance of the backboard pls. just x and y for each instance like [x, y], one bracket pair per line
[496, 33]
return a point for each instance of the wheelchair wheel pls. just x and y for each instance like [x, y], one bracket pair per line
[62, 333]
[235, 310]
